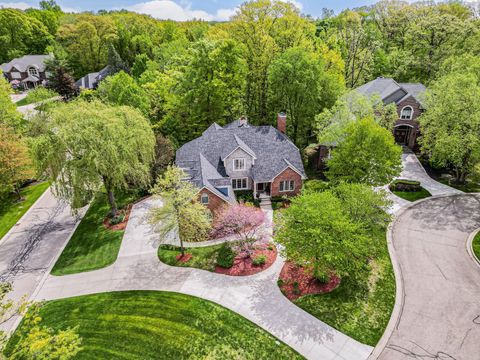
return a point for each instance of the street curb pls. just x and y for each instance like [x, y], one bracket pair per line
[42, 281]
[24, 215]
[397, 269]
[469, 246]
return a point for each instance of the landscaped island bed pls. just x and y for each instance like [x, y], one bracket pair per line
[362, 310]
[410, 190]
[476, 245]
[11, 210]
[92, 246]
[158, 325]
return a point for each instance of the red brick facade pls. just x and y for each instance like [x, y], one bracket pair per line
[287, 174]
[408, 128]
[215, 203]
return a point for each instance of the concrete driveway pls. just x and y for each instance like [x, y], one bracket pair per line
[438, 313]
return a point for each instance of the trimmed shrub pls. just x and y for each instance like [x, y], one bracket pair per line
[259, 260]
[117, 219]
[225, 256]
[316, 185]
[246, 196]
[405, 185]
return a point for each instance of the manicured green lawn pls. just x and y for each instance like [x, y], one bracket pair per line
[476, 245]
[413, 195]
[202, 257]
[11, 211]
[469, 187]
[158, 325]
[92, 246]
[363, 310]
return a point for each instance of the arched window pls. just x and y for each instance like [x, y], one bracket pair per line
[407, 113]
[33, 71]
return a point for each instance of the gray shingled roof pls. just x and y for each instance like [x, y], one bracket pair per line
[273, 150]
[91, 80]
[391, 91]
[24, 62]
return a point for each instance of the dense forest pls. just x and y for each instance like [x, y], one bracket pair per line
[268, 58]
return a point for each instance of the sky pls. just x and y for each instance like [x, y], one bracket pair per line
[186, 9]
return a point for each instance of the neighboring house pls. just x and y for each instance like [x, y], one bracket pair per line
[238, 157]
[91, 81]
[27, 71]
[407, 98]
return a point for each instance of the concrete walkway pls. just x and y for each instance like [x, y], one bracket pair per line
[30, 248]
[256, 297]
[437, 311]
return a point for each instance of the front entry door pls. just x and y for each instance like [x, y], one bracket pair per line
[261, 187]
[401, 134]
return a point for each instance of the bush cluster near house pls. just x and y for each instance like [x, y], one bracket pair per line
[166, 326]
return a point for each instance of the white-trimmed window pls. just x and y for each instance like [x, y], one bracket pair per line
[33, 71]
[15, 75]
[240, 184]
[287, 185]
[238, 164]
[406, 113]
[204, 199]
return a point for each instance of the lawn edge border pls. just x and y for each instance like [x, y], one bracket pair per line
[397, 269]
[2, 239]
[469, 246]
[49, 268]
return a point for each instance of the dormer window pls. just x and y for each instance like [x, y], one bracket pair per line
[406, 113]
[238, 164]
[33, 71]
[204, 199]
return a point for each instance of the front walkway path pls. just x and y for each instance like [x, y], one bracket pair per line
[437, 312]
[256, 297]
[29, 249]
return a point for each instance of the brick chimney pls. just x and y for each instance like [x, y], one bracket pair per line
[243, 121]
[282, 122]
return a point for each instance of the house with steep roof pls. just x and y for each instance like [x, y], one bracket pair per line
[91, 81]
[408, 99]
[27, 71]
[239, 157]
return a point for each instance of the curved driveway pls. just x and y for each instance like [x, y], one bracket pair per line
[439, 316]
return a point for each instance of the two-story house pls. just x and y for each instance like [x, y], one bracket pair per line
[27, 71]
[238, 157]
[408, 99]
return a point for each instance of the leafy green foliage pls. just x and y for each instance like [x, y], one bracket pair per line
[162, 322]
[259, 260]
[225, 256]
[88, 144]
[366, 154]
[9, 116]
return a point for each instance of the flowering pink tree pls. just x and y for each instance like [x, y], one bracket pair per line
[243, 221]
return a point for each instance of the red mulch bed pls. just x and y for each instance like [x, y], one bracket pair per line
[244, 267]
[183, 259]
[307, 284]
[123, 224]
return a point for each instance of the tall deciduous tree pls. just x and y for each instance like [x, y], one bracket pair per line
[180, 215]
[9, 116]
[89, 144]
[451, 126]
[366, 153]
[317, 232]
[297, 81]
[15, 162]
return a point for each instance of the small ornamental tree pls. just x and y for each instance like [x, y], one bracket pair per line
[59, 79]
[15, 162]
[243, 221]
[180, 215]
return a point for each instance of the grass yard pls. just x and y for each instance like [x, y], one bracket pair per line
[92, 246]
[361, 312]
[476, 245]
[11, 211]
[158, 325]
[24, 101]
[202, 257]
[469, 187]
[413, 195]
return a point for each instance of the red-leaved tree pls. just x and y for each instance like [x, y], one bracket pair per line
[247, 223]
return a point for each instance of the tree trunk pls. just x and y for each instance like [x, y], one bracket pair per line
[182, 249]
[17, 191]
[111, 196]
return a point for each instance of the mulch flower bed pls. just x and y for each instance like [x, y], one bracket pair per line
[244, 266]
[123, 224]
[183, 258]
[292, 274]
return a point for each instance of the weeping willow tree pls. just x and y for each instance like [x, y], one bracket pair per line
[85, 145]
